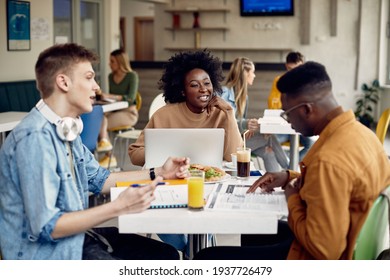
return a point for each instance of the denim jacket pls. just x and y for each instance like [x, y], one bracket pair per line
[228, 96]
[37, 187]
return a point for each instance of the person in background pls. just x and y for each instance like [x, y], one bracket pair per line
[123, 86]
[191, 85]
[293, 59]
[47, 174]
[341, 176]
[235, 92]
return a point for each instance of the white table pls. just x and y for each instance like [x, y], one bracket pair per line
[8, 120]
[115, 106]
[198, 223]
[272, 123]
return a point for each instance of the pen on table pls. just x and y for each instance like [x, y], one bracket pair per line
[143, 185]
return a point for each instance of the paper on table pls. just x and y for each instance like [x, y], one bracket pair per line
[228, 196]
[167, 182]
[167, 196]
[272, 122]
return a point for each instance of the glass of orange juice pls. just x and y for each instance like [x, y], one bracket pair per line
[196, 190]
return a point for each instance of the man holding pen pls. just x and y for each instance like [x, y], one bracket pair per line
[47, 174]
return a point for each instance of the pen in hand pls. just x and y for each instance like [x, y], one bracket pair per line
[143, 185]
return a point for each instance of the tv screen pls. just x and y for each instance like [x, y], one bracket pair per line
[267, 7]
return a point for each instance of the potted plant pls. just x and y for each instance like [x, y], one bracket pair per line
[366, 103]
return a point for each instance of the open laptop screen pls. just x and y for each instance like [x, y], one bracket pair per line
[201, 145]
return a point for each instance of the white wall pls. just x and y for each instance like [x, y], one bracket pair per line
[19, 65]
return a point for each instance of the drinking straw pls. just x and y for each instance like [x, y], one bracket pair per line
[245, 138]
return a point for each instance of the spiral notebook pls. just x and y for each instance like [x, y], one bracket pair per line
[167, 196]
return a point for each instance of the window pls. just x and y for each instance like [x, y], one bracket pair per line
[79, 21]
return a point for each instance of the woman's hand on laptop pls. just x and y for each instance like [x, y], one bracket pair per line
[174, 167]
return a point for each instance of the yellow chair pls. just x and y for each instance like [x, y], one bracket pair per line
[383, 125]
[138, 101]
[372, 237]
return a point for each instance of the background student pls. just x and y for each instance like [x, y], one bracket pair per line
[293, 59]
[123, 86]
[235, 92]
[47, 174]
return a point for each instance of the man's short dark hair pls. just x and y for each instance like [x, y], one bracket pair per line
[310, 76]
[295, 57]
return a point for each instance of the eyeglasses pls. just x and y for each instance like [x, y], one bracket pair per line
[285, 114]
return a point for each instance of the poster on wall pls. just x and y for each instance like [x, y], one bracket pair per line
[18, 25]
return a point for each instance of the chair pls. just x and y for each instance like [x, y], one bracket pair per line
[138, 101]
[383, 125]
[372, 237]
[156, 104]
[91, 122]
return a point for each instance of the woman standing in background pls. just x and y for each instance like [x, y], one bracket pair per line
[123, 86]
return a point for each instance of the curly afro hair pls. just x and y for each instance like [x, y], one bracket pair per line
[177, 67]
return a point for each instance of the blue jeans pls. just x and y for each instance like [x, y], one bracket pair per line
[269, 149]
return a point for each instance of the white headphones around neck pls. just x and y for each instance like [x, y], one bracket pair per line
[67, 128]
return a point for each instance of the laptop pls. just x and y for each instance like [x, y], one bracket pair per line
[202, 145]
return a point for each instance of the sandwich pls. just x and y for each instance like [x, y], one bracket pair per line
[212, 173]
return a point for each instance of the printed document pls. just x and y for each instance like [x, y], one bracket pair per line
[228, 196]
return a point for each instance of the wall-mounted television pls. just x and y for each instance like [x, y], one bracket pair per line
[266, 8]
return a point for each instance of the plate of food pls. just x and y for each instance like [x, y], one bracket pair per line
[212, 174]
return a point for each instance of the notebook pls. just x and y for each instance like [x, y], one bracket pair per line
[202, 145]
[167, 196]
[141, 182]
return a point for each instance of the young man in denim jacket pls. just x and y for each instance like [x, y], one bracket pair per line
[47, 174]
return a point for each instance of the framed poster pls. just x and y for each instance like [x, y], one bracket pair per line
[18, 25]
